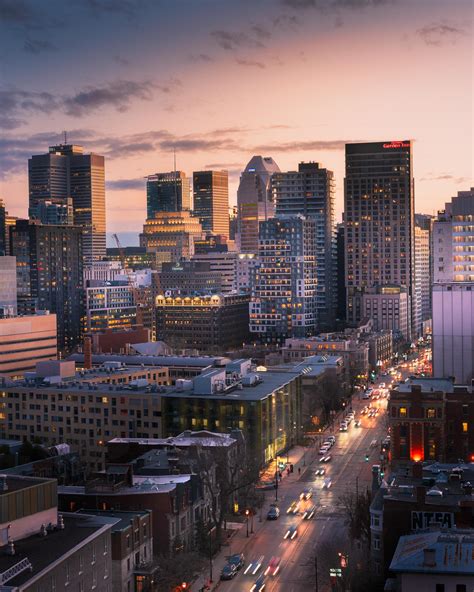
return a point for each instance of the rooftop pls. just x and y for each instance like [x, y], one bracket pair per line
[444, 385]
[59, 543]
[122, 517]
[19, 482]
[138, 360]
[201, 438]
[437, 552]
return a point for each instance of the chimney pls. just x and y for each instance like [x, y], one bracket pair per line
[429, 557]
[87, 353]
[417, 470]
[420, 495]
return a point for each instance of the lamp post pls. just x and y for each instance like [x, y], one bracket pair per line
[247, 521]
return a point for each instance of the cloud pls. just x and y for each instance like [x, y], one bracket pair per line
[14, 103]
[200, 58]
[36, 46]
[116, 94]
[447, 177]
[250, 63]
[302, 146]
[438, 34]
[232, 40]
[121, 60]
[16, 12]
[328, 6]
[128, 8]
[125, 184]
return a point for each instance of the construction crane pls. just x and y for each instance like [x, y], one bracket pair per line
[128, 271]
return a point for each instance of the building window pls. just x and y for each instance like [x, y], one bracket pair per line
[431, 413]
[465, 427]
[461, 588]
[377, 545]
[402, 412]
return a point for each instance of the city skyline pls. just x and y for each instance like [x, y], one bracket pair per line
[197, 98]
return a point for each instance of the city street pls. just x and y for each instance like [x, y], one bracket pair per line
[348, 470]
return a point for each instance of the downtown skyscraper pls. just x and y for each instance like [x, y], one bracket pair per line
[283, 302]
[254, 200]
[167, 192]
[379, 230]
[67, 178]
[211, 200]
[310, 191]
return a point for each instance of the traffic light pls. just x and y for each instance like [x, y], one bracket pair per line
[366, 458]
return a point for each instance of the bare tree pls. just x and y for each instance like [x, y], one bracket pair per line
[357, 510]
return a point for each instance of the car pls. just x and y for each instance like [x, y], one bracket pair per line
[327, 483]
[228, 571]
[273, 513]
[343, 427]
[320, 472]
[273, 567]
[237, 559]
[306, 494]
[357, 423]
[259, 584]
[332, 439]
[324, 449]
[309, 513]
[253, 567]
[293, 508]
[328, 443]
[291, 533]
[325, 459]
[382, 385]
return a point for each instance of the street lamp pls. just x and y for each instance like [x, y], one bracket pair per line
[247, 521]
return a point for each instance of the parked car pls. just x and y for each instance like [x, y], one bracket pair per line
[228, 571]
[238, 560]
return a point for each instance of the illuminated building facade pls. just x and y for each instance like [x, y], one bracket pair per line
[211, 324]
[379, 221]
[284, 297]
[422, 291]
[254, 200]
[110, 306]
[50, 275]
[387, 307]
[63, 176]
[171, 235]
[310, 191]
[211, 200]
[167, 192]
[189, 278]
[431, 419]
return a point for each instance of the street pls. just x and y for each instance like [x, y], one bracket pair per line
[347, 470]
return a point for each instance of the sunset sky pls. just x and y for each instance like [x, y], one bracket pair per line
[222, 80]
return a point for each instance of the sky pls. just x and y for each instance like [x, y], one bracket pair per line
[222, 80]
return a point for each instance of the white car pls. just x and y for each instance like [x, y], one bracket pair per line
[343, 427]
[324, 449]
[327, 483]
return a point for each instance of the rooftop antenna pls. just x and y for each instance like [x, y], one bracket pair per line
[65, 137]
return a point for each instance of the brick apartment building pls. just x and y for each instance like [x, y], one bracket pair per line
[432, 419]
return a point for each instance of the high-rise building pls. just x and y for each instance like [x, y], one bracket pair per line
[3, 229]
[422, 292]
[63, 175]
[283, 300]
[110, 305]
[453, 240]
[310, 192]
[211, 200]
[225, 264]
[340, 273]
[379, 221]
[167, 192]
[8, 290]
[171, 235]
[50, 276]
[254, 200]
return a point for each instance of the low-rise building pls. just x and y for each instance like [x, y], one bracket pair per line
[110, 305]
[418, 498]
[380, 349]
[133, 568]
[44, 550]
[431, 419]
[436, 560]
[209, 324]
[26, 340]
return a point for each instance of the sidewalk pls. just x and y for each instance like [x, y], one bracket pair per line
[299, 456]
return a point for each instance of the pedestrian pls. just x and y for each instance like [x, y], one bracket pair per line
[279, 474]
[299, 470]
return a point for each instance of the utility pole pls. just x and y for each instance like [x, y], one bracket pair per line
[276, 483]
[316, 573]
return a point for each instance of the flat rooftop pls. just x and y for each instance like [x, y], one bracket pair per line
[452, 553]
[444, 385]
[42, 552]
[270, 382]
[19, 482]
[138, 360]
[200, 438]
[122, 517]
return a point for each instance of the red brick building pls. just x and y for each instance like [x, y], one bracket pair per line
[432, 419]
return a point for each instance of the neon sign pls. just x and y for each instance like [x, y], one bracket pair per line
[397, 144]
